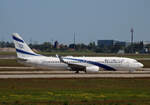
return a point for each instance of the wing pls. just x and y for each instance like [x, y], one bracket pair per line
[73, 67]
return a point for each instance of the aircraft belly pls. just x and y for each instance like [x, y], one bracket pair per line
[56, 66]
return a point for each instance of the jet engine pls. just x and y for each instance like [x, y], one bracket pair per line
[92, 69]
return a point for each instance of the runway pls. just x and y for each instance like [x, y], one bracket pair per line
[75, 76]
[30, 72]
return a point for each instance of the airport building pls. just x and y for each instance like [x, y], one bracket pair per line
[105, 42]
[110, 43]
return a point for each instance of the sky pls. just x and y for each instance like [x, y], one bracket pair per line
[91, 20]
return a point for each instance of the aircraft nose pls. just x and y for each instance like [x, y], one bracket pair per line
[140, 65]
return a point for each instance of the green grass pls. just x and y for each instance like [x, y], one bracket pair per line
[9, 63]
[146, 63]
[75, 91]
[84, 53]
[7, 53]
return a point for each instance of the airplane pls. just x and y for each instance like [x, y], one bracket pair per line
[87, 64]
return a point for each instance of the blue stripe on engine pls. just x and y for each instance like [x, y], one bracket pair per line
[94, 63]
[24, 52]
[17, 39]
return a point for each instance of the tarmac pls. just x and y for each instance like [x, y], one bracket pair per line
[30, 72]
[7, 76]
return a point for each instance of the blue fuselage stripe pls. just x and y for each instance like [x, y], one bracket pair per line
[17, 39]
[24, 52]
[92, 62]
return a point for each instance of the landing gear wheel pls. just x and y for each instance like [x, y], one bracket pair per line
[77, 72]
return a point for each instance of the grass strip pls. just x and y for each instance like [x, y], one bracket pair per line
[76, 91]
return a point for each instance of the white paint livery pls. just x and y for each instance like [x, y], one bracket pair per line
[88, 64]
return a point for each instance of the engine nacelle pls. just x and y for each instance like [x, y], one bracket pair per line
[92, 69]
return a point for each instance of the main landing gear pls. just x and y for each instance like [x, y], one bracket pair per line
[77, 72]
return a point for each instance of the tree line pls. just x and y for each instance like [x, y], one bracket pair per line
[81, 47]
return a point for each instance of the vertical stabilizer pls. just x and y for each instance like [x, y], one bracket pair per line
[22, 49]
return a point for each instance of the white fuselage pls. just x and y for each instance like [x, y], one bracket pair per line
[87, 64]
[114, 63]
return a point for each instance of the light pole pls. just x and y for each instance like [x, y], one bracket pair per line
[131, 39]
